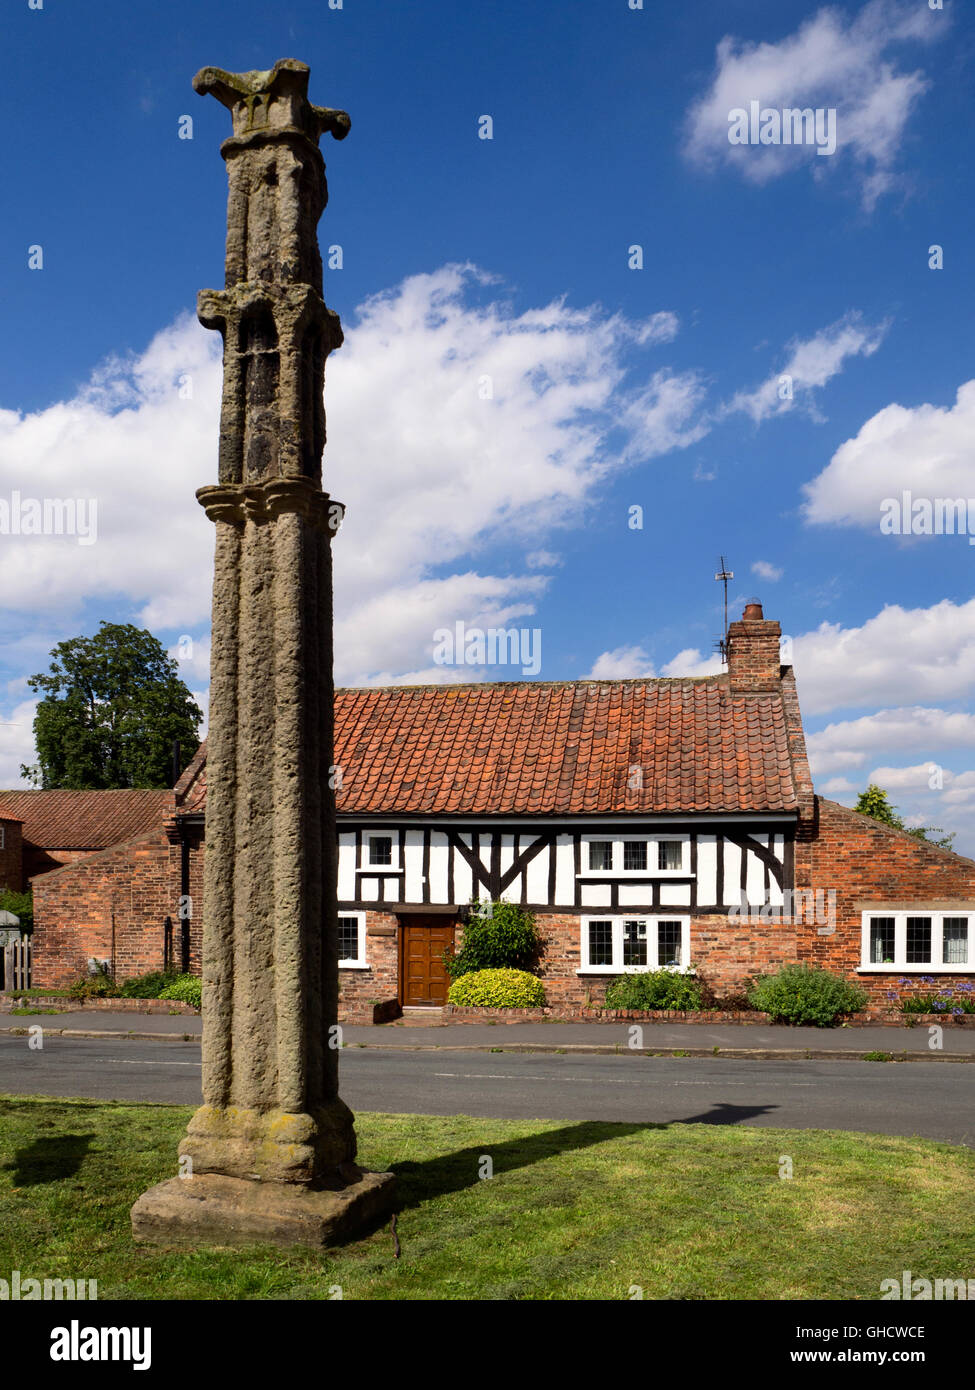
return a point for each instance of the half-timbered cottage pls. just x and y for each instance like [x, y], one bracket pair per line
[644, 822]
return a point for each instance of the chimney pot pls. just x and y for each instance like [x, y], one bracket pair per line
[753, 611]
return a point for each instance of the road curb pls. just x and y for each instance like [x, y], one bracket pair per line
[758, 1054]
[113, 1035]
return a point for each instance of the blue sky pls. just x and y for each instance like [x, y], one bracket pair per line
[509, 258]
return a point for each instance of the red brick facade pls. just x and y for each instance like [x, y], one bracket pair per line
[112, 906]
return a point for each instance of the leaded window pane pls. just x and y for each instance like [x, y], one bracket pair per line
[600, 943]
[881, 940]
[669, 943]
[955, 941]
[634, 943]
[634, 854]
[918, 941]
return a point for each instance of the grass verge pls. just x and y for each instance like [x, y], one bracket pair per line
[573, 1211]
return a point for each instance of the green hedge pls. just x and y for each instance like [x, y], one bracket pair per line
[188, 988]
[497, 989]
[654, 989]
[498, 935]
[805, 994]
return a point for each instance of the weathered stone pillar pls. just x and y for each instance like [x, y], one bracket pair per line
[271, 1153]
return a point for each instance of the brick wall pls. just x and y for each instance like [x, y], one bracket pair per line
[359, 988]
[110, 905]
[11, 856]
[39, 861]
[869, 864]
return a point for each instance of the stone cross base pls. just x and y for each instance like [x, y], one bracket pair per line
[211, 1209]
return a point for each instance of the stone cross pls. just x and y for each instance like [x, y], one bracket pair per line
[271, 1153]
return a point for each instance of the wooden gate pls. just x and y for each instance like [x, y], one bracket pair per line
[15, 965]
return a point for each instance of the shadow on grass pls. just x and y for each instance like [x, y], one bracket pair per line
[435, 1177]
[49, 1160]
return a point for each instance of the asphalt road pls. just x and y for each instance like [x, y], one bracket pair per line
[933, 1099]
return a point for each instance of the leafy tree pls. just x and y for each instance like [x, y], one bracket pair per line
[21, 905]
[111, 707]
[499, 935]
[875, 803]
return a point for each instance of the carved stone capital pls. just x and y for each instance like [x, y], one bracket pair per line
[272, 103]
[237, 503]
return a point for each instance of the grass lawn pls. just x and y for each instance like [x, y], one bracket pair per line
[573, 1211]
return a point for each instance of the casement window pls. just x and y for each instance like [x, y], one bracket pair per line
[615, 945]
[3, 835]
[635, 854]
[918, 940]
[352, 940]
[380, 851]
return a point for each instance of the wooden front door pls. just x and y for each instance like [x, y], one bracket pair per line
[423, 979]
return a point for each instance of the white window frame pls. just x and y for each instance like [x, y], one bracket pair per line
[653, 857]
[360, 962]
[618, 919]
[900, 965]
[393, 866]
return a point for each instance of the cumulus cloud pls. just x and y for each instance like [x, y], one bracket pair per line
[915, 654]
[622, 663]
[458, 428]
[811, 363]
[926, 450]
[851, 743]
[862, 66]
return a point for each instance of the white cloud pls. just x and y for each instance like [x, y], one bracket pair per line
[622, 663]
[926, 450]
[811, 364]
[850, 743]
[849, 64]
[765, 570]
[917, 654]
[690, 662]
[436, 478]
[16, 742]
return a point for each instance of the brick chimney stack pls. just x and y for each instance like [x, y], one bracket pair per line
[753, 652]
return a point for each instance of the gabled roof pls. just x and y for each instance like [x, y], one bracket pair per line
[85, 819]
[562, 748]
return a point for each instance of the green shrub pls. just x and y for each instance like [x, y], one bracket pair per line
[804, 994]
[189, 988]
[497, 989]
[147, 986]
[496, 936]
[21, 905]
[654, 989]
[100, 985]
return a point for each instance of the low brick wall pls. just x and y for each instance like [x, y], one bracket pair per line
[64, 1004]
[384, 1012]
[886, 1018]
